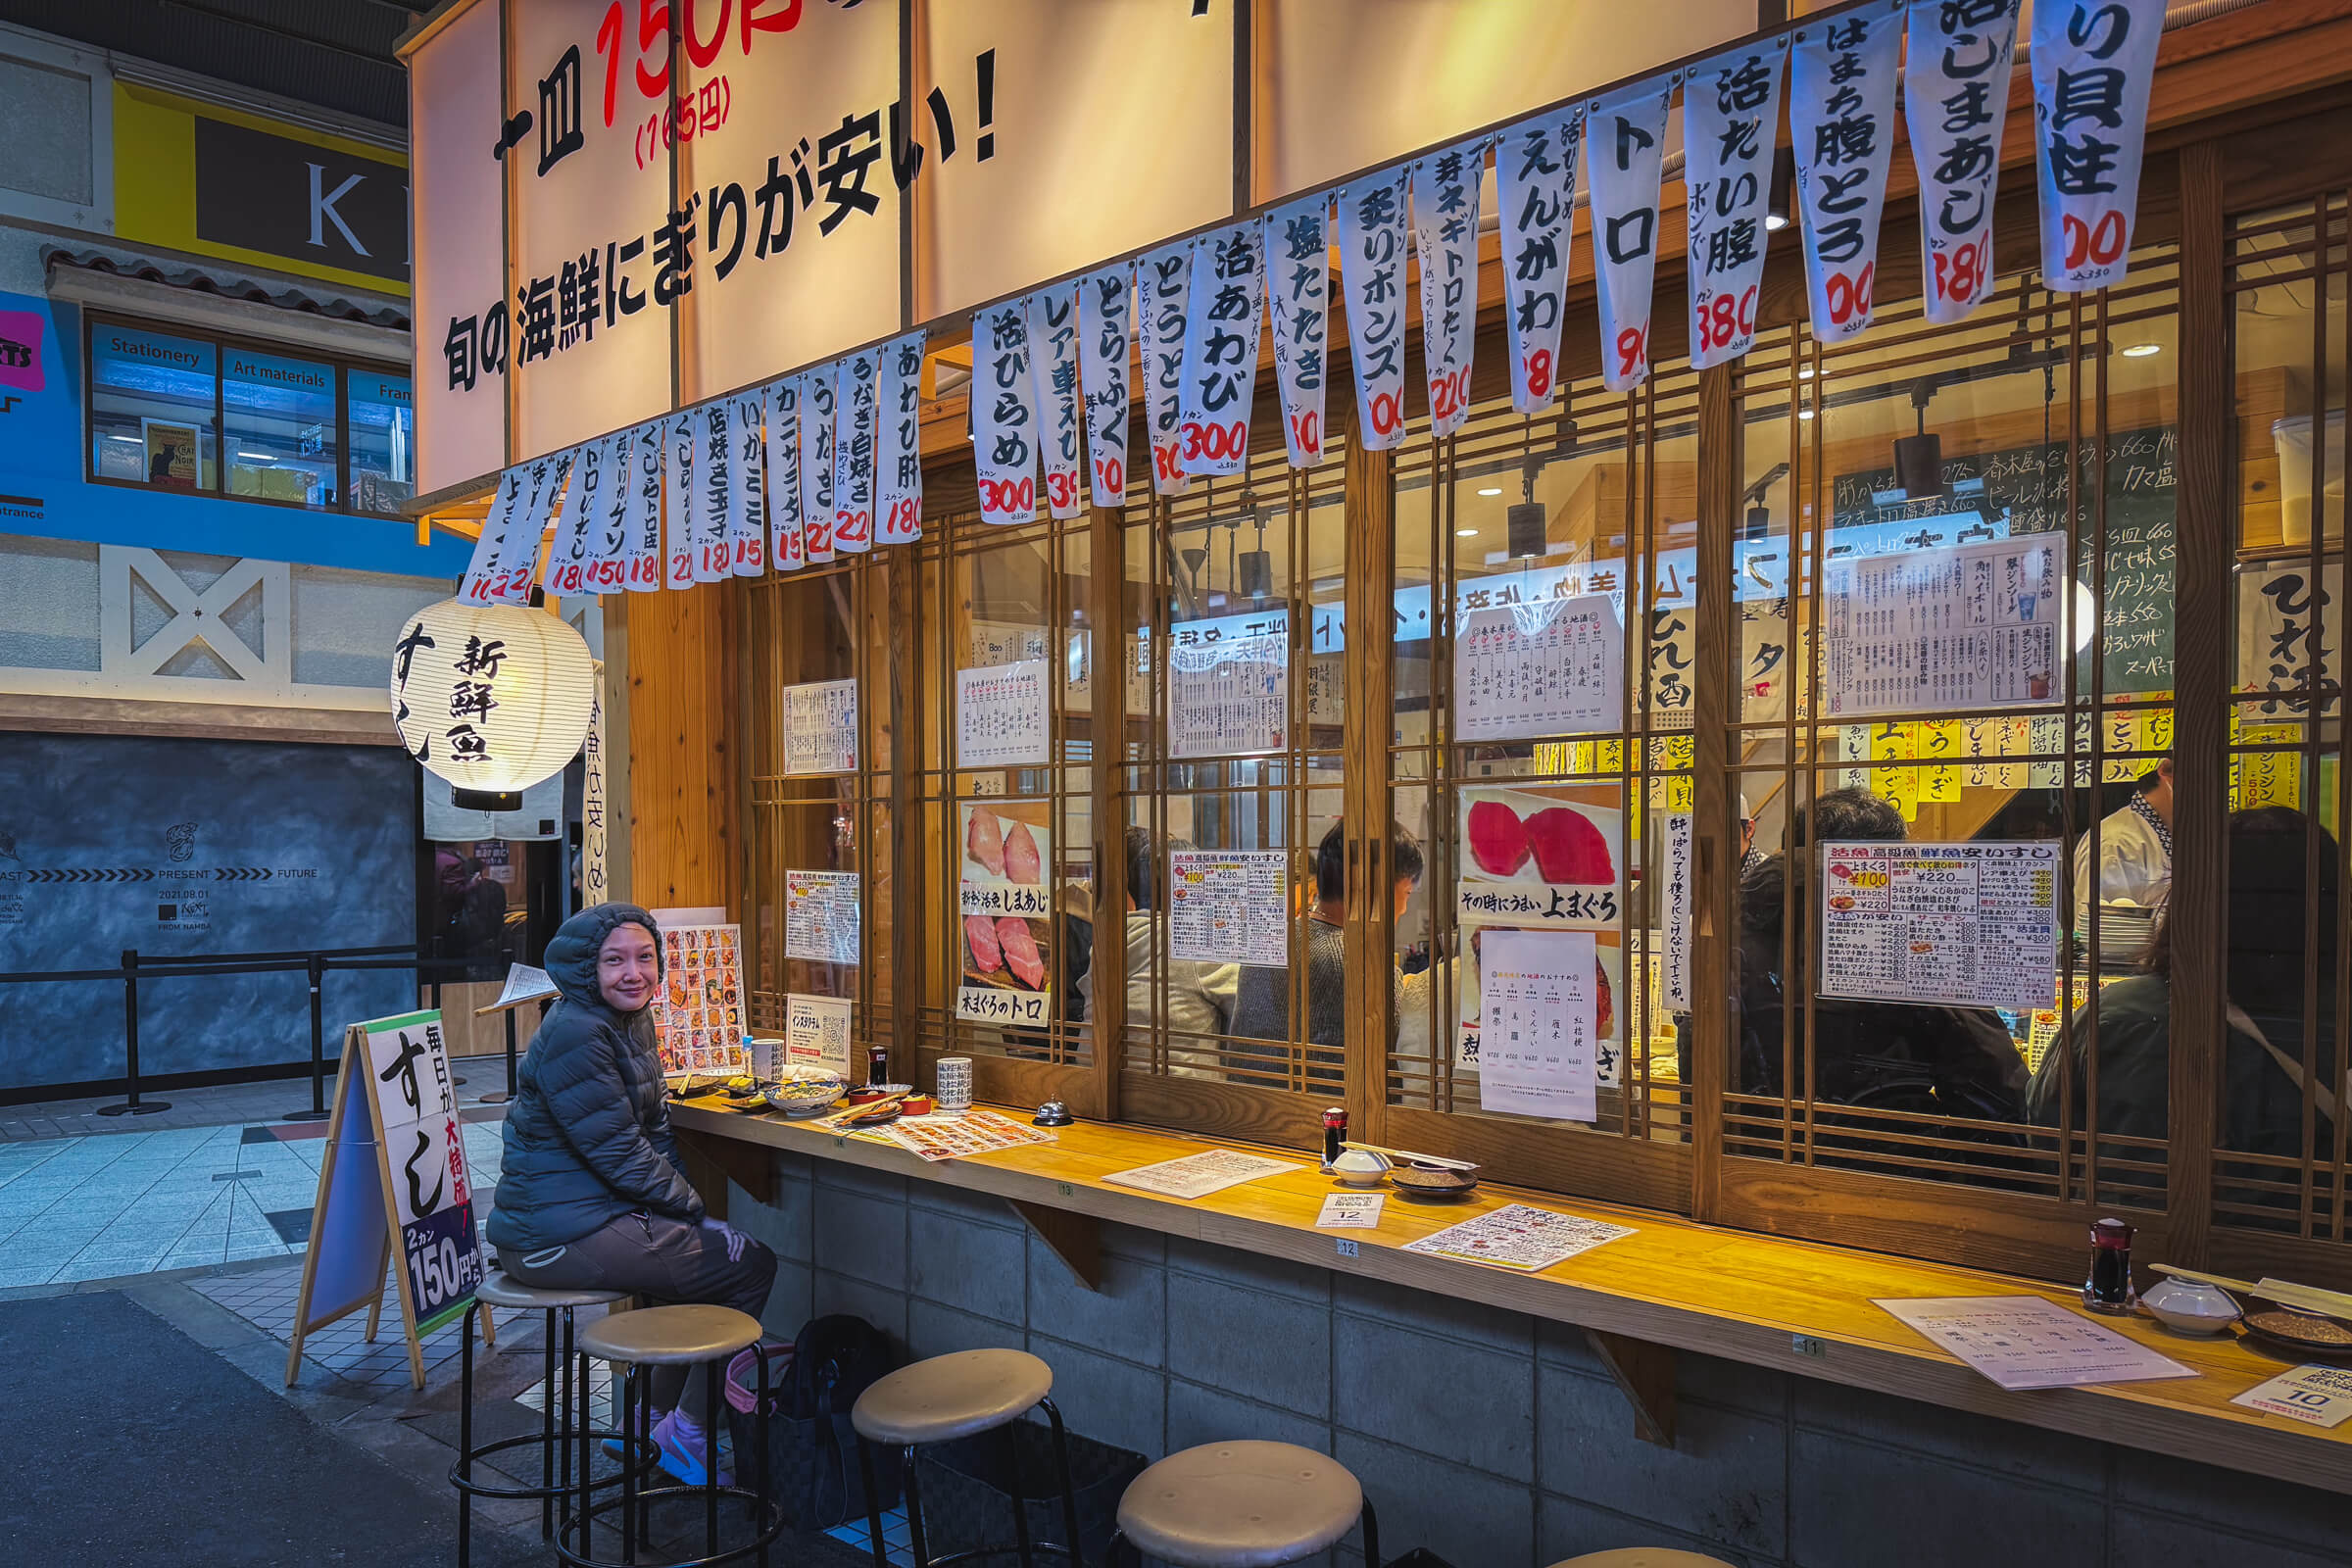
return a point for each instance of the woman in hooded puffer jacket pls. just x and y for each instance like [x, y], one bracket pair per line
[591, 1194]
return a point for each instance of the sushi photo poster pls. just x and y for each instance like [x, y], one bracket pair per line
[1544, 857]
[1007, 912]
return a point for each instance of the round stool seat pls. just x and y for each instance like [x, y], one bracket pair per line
[671, 1336]
[1642, 1557]
[950, 1397]
[499, 1290]
[1240, 1505]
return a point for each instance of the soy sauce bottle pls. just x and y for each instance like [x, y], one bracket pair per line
[2109, 1288]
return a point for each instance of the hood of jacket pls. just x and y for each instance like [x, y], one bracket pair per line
[571, 951]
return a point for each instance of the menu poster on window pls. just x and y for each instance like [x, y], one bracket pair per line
[1974, 625]
[1546, 856]
[1963, 924]
[820, 728]
[697, 1014]
[1001, 717]
[1546, 667]
[816, 1032]
[1229, 907]
[1008, 911]
[1608, 985]
[820, 917]
[1535, 1044]
[1231, 697]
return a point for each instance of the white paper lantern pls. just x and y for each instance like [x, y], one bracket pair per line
[493, 698]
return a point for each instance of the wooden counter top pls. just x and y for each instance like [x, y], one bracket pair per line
[1794, 1306]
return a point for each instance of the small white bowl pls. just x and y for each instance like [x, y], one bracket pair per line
[1358, 1168]
[2189, 1306]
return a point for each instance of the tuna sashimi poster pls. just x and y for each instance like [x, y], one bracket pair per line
[1545, 857]
[1007, 912]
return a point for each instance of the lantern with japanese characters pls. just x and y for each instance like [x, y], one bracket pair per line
[493, 698]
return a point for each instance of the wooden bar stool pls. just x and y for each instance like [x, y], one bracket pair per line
[708, 1337]
[1642, 1557]
[961, 1395]
[554, 1417]
[1242, 1505]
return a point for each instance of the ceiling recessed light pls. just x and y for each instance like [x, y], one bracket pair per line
[1465, 533]
[1804, 372]
[1774, 222]
[1804, 414]
[2141, 351]
[1492, 490]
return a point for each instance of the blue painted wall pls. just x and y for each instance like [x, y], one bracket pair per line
[182, 828]
[44, 491]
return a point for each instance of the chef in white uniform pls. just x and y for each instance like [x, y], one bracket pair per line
[2136, 851]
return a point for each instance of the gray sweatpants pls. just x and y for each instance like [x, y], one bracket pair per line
[667, 1260]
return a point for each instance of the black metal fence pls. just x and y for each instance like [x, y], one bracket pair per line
[314, 963]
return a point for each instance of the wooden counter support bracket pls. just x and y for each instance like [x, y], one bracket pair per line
[1645, 1372]
[713, 1162]
[1076, 1239]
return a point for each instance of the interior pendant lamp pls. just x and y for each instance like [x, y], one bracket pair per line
[492, 697]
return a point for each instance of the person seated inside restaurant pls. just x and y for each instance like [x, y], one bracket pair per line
[1199, 996]
[2267, 957]
[2136, 851]
[1889, 1056]
[1263, 1009]
[591, 1194]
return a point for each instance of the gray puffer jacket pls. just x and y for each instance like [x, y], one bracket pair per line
[587, 1138]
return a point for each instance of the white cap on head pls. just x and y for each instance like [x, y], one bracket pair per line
[1746, 816]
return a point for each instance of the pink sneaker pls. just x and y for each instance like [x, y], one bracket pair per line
[685, 1451]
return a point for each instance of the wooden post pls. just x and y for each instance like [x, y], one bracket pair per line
[1106, 624]
[1715, 832]
[1370, 508]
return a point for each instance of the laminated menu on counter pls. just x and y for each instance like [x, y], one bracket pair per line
[1199, 1175]
[1518, 1237]
[1229, 907]
[820, 728]
[1231, 697]
[1966, 626]
[1961, 924]
[1543, 666]
[2029, 1341]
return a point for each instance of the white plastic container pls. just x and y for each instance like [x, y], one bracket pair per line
[2292, 438]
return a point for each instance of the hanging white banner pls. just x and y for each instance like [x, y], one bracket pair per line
[899, 455]
[746, 519]
[1003, 422]
[1956, 104]
[1534, 202]
[715, 480]
[855, 412]
[680, 441]
[1298, 250]
[1372, 278]
[1446, 190]
[1161, 281]
[567, 568]
[484, 572]
[594, 886]
[605, 532]
[1220, 350]
[1625, 150]
[1731, 123]
[2093, 67]
[781, 410]
[649, 458]
[1051, 314]
[817, 466]
[1842, 76]
[1103, 314]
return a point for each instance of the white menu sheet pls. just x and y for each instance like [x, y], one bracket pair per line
[820, 728]
[1535, 1053]
[975, 1132]
[1966, 924]
[1518, 1237]
[820, 917]
[1973, 625]
[1230, 697]
[816, 1032]
[1675, 966]
[2316, 1396]
[2028, 1342]
[1199, 1175]
[1351, 1211]
[1000, 716]
[1546, 667]
[1229, 907]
